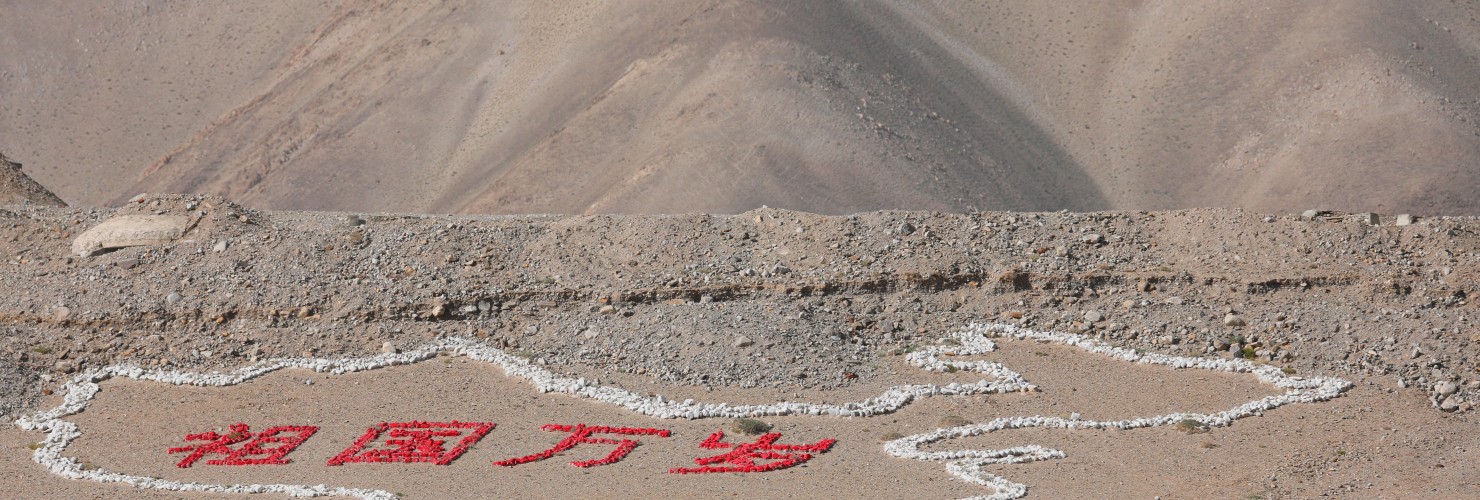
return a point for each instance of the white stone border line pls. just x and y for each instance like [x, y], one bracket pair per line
[966, 464]
[969, 464]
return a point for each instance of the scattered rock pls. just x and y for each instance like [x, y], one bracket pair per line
[1403, 220]
[220, 246]
[1445, 388]
[173, 298]
[1233, 320]
[1093, 316]
[742, 341]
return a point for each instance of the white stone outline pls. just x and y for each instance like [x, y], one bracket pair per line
[969, 465]
[966, 464]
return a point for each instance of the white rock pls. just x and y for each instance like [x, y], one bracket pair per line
[1233, 320]
[130, 231]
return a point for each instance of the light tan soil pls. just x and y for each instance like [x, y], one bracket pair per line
[825, 306]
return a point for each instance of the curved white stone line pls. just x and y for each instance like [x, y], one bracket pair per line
[968, 464]
[80, 390]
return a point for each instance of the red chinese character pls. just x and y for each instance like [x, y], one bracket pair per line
[742, 457]
[414, 442]
[580, 433]
[220, 444]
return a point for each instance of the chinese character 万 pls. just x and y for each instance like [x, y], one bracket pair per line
[580, 433]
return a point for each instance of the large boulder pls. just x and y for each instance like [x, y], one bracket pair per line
[130, 231]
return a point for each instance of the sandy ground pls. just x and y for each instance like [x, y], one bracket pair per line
[1364, 444]
[760, 307]
[722, 105]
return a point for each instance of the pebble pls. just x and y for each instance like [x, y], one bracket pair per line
[61, 313]
[1233, 320]
[1093, 316]
[173, 298]
[906, 229]
[64, 367]
[1174, 301]
[1093, 238]
[1445, 388]
[387, 347]
[1450, 403]
[220, 246]
[742, 341]
[1403, 220]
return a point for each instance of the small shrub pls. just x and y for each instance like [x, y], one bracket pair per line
[1287, 370]
[1248, 353]
[951, 368]
[1192, 426]
[33, 446]
[954, 421]
[749, 426]
[42, 350]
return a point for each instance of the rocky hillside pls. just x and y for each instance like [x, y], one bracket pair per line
[16, 188]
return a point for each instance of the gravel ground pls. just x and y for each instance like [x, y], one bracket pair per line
[710, 301]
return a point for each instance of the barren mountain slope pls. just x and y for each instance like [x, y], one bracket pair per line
[1367, 105]
[723, 105]
[16, 188]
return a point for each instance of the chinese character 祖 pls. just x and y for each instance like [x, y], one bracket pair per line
[743, 457]
[414, 442]
[256, 450]
[580, 433]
